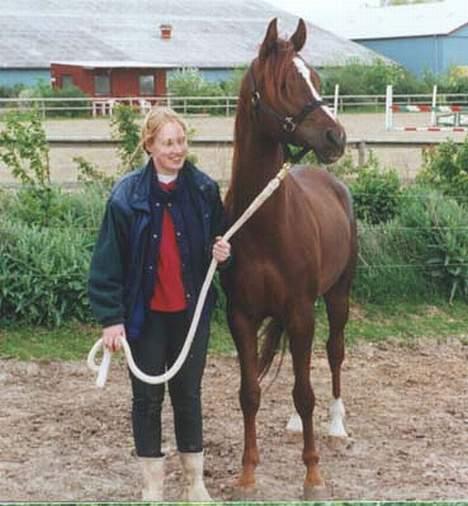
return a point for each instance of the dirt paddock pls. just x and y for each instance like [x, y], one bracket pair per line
[61, 439]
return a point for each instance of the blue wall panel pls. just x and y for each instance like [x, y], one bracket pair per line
[417, 54]
[456, 48]
[434, 53]
[28, 77]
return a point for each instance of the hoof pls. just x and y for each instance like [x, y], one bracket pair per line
[337, 442]
[315, 492]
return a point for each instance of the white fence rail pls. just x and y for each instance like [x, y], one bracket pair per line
[222, 105]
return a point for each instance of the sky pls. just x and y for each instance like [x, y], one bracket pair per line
[307, 8]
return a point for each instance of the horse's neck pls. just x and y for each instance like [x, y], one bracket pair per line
[255, 163]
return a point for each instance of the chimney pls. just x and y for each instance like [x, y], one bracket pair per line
[166, 31]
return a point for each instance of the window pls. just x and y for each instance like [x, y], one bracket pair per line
[102, 85]
[147, 84]
[67, 80]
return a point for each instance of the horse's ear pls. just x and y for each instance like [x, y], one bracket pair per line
[270, 39]
[299, 37]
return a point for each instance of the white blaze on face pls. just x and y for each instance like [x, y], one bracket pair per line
[305, 73]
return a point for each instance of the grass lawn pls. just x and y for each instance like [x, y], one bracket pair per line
[402, 322]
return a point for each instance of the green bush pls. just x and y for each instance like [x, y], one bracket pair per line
[43, 273]
[11, 91]
[436, 227]
[446, 168]
[24, 148]
[376, 193]
[68, 108]
[190, 83]
[387, 269]
[126, 129]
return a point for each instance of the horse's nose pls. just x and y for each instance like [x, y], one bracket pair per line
[336, 137]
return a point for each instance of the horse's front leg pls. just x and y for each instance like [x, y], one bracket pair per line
[244, 332]
[300, 329]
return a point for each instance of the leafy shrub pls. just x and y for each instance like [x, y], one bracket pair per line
[62, 108]
[376, 193]
[11, 91]
[24, 149]
[387, 269]
[127, 131]
[446, 168]
[43, 273]
[190, 83]
[437, 227]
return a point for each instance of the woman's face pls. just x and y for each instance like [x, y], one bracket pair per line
[169, 148]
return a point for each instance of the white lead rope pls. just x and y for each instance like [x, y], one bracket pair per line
[102, 369]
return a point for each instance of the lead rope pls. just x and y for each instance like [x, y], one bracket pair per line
[102, 369]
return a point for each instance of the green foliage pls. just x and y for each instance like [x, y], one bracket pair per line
[24, 149]
[376, 193]
[437, 229]
[446, 168]
[190, 83]
[90, 174]
[43, 272]
[127, 131]
[388, 269]
[61, 108]
[11, 91]
[231, 87]
[357, 78]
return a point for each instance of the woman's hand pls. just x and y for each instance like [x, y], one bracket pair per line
[221, 250]
[111, 337]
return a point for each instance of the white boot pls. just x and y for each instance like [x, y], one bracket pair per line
[192, 464]
[153, 478]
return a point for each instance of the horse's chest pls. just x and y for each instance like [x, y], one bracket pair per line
[259, 282]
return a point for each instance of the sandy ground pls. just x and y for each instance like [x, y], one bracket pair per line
[61, 439]
[216, 160]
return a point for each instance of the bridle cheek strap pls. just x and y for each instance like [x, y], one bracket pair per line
[288, 123]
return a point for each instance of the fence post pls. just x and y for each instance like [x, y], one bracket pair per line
[388, 108]
[361, 153]
[434, 104]
[335, 101]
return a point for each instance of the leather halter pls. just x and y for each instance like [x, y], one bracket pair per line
[288, 123]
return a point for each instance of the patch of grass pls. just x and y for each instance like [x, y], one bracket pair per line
[401, 322]
[404, 322]
[71, 341]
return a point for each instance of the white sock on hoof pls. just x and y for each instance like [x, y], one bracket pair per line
[337, 414]
[294, 424]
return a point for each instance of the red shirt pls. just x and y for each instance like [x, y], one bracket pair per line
[169, 292]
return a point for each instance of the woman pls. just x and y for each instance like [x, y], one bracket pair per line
[160, 228]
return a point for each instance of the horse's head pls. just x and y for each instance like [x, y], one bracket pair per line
[284, 94]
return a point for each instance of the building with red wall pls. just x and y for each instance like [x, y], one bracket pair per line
[112, 78]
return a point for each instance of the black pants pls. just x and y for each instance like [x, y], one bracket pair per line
[163, 337]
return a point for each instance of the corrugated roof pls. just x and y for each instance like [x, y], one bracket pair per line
[106, 64]
[417, 20]
[206, 33]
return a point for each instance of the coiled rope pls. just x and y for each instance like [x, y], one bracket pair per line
[102, 369]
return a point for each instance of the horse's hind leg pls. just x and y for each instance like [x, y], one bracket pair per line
[244, 333]
[337, 302]
[300, 329]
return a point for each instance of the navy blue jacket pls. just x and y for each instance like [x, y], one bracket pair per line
[122, 273]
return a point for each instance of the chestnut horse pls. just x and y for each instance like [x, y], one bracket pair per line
[301, 244]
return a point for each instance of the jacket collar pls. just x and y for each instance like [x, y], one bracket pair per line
[140, 197]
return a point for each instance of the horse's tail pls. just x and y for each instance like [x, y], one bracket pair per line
[271, 341]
